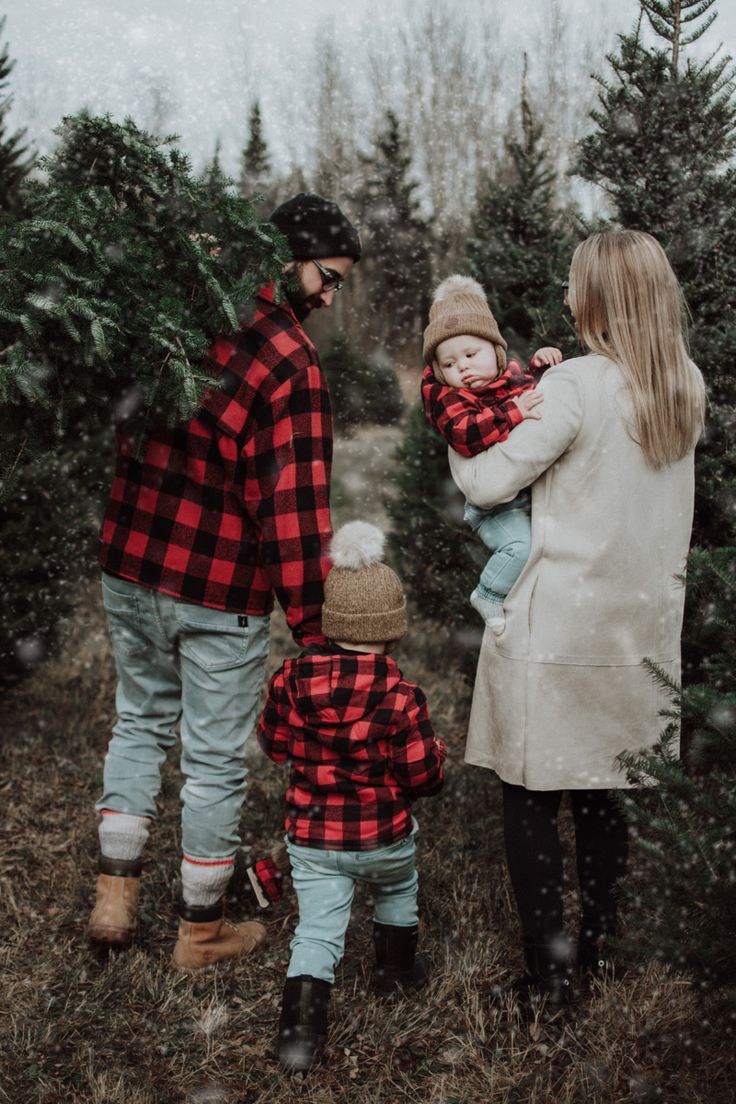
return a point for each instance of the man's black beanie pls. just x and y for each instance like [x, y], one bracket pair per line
[316, 227]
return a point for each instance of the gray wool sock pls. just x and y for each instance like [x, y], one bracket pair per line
[123, 836]
[204, 881]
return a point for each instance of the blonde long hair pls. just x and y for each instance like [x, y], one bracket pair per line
[628, 306]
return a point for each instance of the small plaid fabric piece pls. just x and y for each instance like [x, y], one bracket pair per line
[233, 506]
[472, 421]
[360, 743]
[269, 878]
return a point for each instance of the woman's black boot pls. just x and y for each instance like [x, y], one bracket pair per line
[399, 970]
[544, 990]
[303, 1022]
[595, 957]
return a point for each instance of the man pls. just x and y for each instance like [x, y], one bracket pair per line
[201, 531]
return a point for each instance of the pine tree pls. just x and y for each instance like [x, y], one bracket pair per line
[684, 871]
[397, 241]
[364, 389]
[213, 174]
[662, 151]
[112, 287]
[256, 161]
[15, 161]
[438, 557]
[520, 244]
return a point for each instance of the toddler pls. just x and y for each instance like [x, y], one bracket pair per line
[474, 398]
[361, 748]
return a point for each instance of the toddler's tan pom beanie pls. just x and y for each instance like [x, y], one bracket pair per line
[364, 600]
[459, 306]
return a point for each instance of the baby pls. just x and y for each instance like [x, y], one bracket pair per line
[474, 398]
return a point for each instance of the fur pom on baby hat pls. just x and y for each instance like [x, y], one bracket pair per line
[459, 306]
[364, 600]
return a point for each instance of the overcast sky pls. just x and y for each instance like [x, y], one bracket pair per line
[193, 66]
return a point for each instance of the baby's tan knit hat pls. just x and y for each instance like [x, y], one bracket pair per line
[364, 600]
[459, 306]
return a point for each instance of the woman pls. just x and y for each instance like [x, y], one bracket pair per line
[562, 690]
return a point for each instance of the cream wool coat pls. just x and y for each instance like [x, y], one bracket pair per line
[562, 691]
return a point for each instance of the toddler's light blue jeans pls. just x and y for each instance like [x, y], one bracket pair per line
[506, 531]
[178, 661]
[325, 885]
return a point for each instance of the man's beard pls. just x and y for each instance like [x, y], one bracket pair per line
[301, 304]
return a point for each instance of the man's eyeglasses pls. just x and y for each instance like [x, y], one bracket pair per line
[331, 280]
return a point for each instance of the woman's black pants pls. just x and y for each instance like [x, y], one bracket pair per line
[534, 858]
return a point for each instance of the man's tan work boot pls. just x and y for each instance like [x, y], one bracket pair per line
[114, 916]
[206, 937]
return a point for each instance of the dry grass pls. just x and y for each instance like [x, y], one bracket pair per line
[128, 1030]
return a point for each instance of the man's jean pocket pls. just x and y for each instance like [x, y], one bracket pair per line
[214, 642]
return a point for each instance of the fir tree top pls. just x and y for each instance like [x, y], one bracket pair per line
[15, 160]
[256, 159]
[669, 18]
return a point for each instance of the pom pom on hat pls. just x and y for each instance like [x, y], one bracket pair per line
[457, 285]
[357, 544]
[364, 600]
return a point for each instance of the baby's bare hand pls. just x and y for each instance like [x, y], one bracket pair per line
[526, 403]
[548, 355]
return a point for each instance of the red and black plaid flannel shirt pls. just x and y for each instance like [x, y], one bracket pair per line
[471, 420]
[233, 505]
[360, 743]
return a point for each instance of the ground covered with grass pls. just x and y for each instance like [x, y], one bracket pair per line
[127, 1029]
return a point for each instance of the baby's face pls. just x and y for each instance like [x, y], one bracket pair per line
[467, 361]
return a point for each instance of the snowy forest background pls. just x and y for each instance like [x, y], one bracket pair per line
[459, 138]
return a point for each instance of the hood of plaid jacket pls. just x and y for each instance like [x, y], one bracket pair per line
[339, 688]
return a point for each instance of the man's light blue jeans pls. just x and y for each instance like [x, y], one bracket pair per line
[178, 661]
[325, 885]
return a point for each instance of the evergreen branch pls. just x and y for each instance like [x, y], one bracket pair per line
[699, 9]
[40, 227]
[30, 326]
[696, 34]
[69, 326]
[98, 336]
[43, 303]
[663, 679]
[80, 307]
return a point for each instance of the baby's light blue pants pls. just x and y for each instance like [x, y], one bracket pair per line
[506, 531]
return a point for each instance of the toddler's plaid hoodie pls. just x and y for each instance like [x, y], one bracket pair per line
[360, 743]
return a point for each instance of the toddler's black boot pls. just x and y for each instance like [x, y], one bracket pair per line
[399, 970]
[303, 1022]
